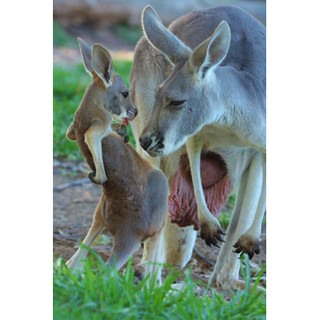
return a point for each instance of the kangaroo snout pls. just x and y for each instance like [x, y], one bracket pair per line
[152, 144]
[132, 112]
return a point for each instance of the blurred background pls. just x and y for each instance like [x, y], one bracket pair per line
[115, 25]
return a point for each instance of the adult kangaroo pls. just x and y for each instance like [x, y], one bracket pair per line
[200, 89]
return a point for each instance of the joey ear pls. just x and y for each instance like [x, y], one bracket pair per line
[211, 52]
[85, 50]
[102, 65]
[161, 38]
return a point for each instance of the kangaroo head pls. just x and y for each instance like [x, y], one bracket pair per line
[110, 91]
[183, 102]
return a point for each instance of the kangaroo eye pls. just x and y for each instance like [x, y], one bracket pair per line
[125, 94]
[177, 102]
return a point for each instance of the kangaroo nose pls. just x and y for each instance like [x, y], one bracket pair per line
[135, 110]
[132, 113]
[145, 142]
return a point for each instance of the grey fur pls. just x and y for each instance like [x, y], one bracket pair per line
[164, 41]
[240, 83]
[224, 111]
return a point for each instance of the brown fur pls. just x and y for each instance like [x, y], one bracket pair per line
[127, 191]
[132, 207]
[106, 98]
[85, 114]
[133, 204]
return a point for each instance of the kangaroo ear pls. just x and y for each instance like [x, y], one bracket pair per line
[161, 38]
[86, 54]
[102, 65]
[211, 52]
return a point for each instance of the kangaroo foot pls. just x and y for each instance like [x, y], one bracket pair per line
[93, 178]
[211, 234]
[247, 244]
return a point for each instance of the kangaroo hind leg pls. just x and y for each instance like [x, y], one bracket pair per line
[96, 228]
[125, 244]
[153, 263]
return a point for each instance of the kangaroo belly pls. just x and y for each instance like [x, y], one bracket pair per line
[215, 183]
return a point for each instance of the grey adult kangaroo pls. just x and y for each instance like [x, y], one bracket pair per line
[200, 90]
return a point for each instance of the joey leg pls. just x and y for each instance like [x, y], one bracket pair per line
[96, 228]
[124, 246]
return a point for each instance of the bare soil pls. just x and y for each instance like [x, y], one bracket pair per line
[73, 209]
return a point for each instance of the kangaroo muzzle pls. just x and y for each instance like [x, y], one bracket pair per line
[132, 113]
[152, 144]
[145, 142]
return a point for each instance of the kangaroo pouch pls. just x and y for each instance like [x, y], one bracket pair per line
[215, 183]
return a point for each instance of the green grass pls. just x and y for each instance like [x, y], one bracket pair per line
[94, 295]
[69, 84]
[129, 34]
[61, 38]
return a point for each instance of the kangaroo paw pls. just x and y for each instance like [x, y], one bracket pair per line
[93, 178]
[211, 234]
[247, 244]
[121, 130]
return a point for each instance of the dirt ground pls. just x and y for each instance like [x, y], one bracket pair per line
[73, 207]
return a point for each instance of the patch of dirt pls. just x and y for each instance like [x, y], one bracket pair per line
[73, 210]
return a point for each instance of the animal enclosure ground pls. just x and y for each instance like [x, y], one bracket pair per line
[73, 209]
